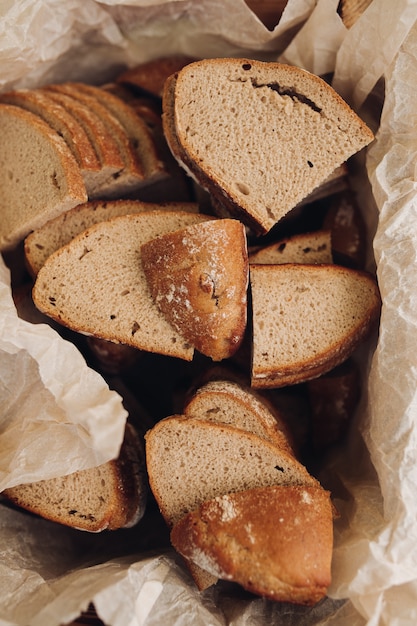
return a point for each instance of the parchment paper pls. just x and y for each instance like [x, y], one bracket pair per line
[50, 573]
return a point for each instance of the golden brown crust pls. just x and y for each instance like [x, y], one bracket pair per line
[274, 541]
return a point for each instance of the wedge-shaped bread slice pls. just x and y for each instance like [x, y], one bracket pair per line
[96, 285]
[231, 117]
[36, 184]
[314, 247]
[227, 402]
[198, 277]
[42, 242]
[275, 541]
[307, 319]
[110, 496]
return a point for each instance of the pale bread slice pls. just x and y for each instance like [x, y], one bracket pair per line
[232, 116]
[307, 319]
[41, 243]
[275, 541]
[227, 402]
[36, 184]
[198, 278]
[107, 497]
[313, 247]
[96, 285]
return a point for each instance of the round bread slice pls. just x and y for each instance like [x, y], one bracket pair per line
[198, 277]
[233, 117]
[275, 541]
[36, 184]
[307, 319]
[96, 284]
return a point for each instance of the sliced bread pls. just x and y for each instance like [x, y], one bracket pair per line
[274, 541]
[198, 277]
[314, 247]
[36, 184]
[149, 77]
[107, 497]
[96, 285]
[307, 319]
[42, 242]
[230, 117]
[227, 402]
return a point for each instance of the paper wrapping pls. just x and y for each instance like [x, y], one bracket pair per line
[49, 573]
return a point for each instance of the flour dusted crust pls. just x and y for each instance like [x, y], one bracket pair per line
[198, 277]
[274, 541]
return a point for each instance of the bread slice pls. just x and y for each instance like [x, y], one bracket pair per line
[232, 116]
[307, 319]
[227, 402]
[198, 277]
[274, 541]
[36, 184]
[42, 242]
[96, 285]
[107, 497]
[149, 77]
[314, 247]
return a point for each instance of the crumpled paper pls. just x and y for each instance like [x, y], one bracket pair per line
[50, 573]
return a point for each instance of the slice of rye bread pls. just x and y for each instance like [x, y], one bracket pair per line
[96, 285]
[132, 175]
[150, 77]
[107, 497]
[307, 319]
[232, 116]
[227, 402]
[106, 148]
[36, 184]
[313, 247]
[41, 243]
[190, 461]
[63, 122]
[198, 278]
[275, 541]
[137, 130]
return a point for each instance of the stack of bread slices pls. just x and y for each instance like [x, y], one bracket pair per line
[257, 139]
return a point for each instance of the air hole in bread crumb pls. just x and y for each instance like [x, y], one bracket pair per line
[112, 316]
[39, 246]
[310, 164]
[135, 328]
[281, 247]
[246, 66]
[243, 188]
[125, 292]
[279, 468]
[55, 180]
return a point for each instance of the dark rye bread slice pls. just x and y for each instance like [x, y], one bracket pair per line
[42, 242]
[232, 116]
[198, 278]
[96, 285]
[36, 184]
[106, 497]
[313, 247]
[307, 319]
[275, 541]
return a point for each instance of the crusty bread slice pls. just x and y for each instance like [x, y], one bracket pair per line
[41, 243]
[227, 402]
[274, 541]
[314, 247]
[232, 116]
[307, 319]
[198, 277]
[150, 76]
[36, 184]
[110, 496]
[96, 285]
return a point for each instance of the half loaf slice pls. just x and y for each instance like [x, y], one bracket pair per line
[96, 285]
[42, 242]
[198, 277]
[231, 117]
[110, 496]
[275, 541]
[36, 184]
[307, 319]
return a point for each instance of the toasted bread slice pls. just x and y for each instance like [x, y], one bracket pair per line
[96, 285]
[37, 184]
[275, 541]
[307, 319]
[198, 277]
